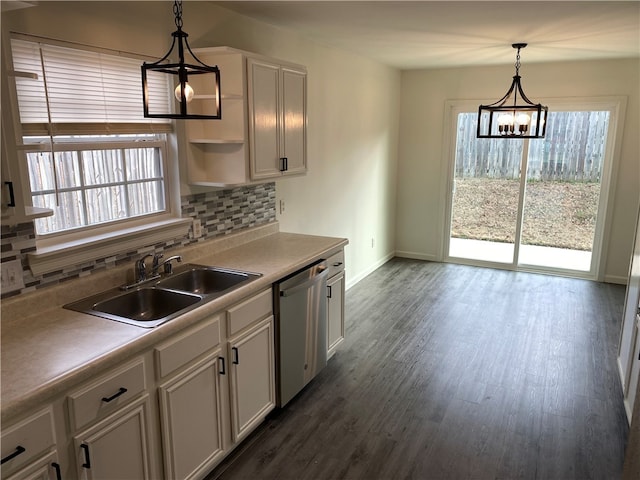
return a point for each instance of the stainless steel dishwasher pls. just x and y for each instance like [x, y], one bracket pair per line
[300, 303]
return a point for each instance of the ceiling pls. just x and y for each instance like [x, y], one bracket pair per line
[431, 34]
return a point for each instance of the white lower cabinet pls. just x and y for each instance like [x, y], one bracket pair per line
[191, 410]
[173, 412]
[29, 449]
[252, 375]
[218, 384]
[45, 468]
[335, 302]
[117, 446]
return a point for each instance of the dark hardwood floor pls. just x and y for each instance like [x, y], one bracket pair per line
[453, 372]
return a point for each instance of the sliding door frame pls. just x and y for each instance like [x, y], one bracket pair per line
[616, 105]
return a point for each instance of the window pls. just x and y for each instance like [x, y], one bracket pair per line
[91, 155]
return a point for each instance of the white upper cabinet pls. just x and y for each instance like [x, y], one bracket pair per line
[262, 133]
[277, 119]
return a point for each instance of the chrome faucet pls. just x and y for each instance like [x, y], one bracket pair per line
[141, 268]
[168, 266]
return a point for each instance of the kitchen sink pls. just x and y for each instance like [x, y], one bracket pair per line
[205, 280]
[158, 300]
[146, 304]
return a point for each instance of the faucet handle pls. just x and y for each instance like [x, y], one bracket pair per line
[141, 268]
[168, 266]
[156, 263]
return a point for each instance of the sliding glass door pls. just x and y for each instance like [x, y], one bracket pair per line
[531, 204]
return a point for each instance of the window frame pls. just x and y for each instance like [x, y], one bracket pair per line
[108, 145]
[61, 250]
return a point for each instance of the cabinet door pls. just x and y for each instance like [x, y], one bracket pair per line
[293, 93]
[264, 123]
[335, 311]
[252, 377]
[46, 468]
[191, 419]
[116, 447]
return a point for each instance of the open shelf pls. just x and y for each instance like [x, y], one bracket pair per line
[221, 141]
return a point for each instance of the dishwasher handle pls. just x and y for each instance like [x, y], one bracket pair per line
[322, 272]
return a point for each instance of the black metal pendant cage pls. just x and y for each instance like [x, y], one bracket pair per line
[194, 80]
[514, 115]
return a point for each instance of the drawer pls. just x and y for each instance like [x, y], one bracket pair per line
[249, 311]
[27, 440]
[336, 263]
[107, 394]
[186, 347]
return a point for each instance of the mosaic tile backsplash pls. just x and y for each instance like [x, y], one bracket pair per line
[220, 213]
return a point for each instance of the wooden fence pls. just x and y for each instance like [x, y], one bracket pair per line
[572, 151]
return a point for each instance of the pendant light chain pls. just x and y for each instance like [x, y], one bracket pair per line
[177, 11]
[518, 62]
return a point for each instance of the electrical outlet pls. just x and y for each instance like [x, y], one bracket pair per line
[281, 207]
[11, 275]
[197, 228]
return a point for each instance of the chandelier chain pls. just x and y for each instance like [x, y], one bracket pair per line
[518, 62]
[177, 11]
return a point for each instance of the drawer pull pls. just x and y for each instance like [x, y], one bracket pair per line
[87, 459]
[19, 449]
[121, 391]
[236, 359]
[12, 197]
[56, 467]
[337, 264]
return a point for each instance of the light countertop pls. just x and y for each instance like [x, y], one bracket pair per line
[46, 350]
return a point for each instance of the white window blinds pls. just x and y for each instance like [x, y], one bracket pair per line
[70, 91]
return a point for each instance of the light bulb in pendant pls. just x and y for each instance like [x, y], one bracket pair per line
[188, 92]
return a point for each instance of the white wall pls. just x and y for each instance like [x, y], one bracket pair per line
[353, 110]
[421, 193]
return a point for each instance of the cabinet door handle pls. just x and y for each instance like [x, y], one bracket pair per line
[120, 391]
[12, 198]
[328, 291]
[284, 164]
[19, 449]
[56, 467]
[222, 371]
[87, 459]
[236, 358]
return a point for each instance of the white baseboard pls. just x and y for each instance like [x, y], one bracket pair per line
[417, 256]
[615, 279]
[352, 281]
[622, 376]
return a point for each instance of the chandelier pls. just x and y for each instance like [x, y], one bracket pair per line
[514, 115]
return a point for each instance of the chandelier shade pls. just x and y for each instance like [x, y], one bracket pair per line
[514, 115]
[189, 81]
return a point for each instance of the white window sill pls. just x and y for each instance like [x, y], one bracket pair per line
[76, 252]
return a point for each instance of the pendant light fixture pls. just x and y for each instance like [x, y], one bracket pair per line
[514, 115]
[188, 80]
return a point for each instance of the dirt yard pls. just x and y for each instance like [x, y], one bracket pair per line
[557, 214]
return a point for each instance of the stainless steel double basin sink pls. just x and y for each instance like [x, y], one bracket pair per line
[159, 300]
